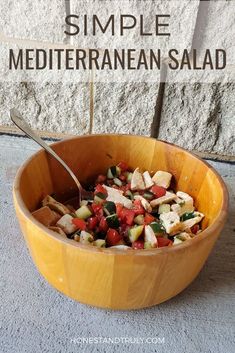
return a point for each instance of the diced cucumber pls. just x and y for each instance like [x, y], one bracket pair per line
[109, 174]
[186, 216]
[112, 221]
[109, 208]
[129, 177]
[117, 182]
[86, 238]
[148, 195]
[136, 193]
[100, 243]
[147, 245]
[183, 236]
[135, 232]
[83, 212]
[139, 219]
[157, 227]
[177, 241]
[129, 194]
[118, 171]
[164, 208]
[76, 237]
[99, 197]
[113, 172]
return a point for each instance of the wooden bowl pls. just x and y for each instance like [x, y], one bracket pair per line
[111, 278]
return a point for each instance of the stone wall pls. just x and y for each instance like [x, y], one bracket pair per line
[197, 116]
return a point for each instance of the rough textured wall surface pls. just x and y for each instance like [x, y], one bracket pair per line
[124, 108]
[195, 115]
[200, 117]
[58, 107]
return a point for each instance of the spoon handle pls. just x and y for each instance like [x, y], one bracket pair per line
[22, 125]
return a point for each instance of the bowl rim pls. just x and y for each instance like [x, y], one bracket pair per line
[217, 223]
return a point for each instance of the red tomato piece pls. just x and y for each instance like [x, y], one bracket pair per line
[163, 242]
[103, 226]
[122, 177]
[113, 237]
[124, 229]
[138, 209]
[148, 218]
[158, 191]
[96, 208]
[123, 188]
[127, 216]
[80, 223]
[138, 244]
[123, 166]
[195, 229]
[92, 223]
[119, 208]
[101, 179]
[100, 188]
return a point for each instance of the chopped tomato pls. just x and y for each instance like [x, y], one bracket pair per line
[158, 191]
[103, 226]
[124, 229]
[92, 223]
[138, 208]
[148, 218]
[122, 188]
[113, 237]
[129, 215]
[101, 179]
[123, 166]
[138, 244]
[80, 223]
[128, 186]
[163, 242]
[195, 229]
[122, 177]
[100, 188]
[96, 208]
[119, 208]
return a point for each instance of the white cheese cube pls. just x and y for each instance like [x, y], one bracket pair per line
[184, 203]
[163, 179]
[116, 196]
[144, 203]
[147, 180]
[137, 181]
[150, 240]
[171, 222]
[169, 196]
[86, 238]
[183, 236]
[189, 223]
[177, 241]
[120, 247]
[164, 208]
[66, 224]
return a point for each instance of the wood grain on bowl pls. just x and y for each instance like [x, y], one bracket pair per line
[111, 278]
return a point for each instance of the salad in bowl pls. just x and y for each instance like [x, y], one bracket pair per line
[130, 209]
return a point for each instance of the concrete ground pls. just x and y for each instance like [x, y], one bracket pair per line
[34, 317]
